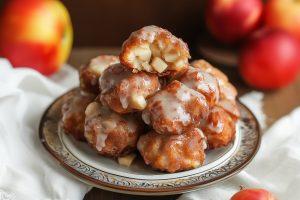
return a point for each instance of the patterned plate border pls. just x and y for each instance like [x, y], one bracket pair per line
[248, 147]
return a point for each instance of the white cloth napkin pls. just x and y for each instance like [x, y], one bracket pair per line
[26, 170]
[254, 101]
[276, 167]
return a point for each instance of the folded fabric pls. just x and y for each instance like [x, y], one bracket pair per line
[254, 101]
[276, 167]
[27, 171]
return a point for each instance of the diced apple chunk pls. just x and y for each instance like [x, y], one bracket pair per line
[127, 160]
[178, 65]
[195, 164]
[91, 108]
[138, 102]
[171, 56]
[159, 65]
[143, 53]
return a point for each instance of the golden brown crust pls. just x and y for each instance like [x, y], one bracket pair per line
[152, 46]
[228, 92]
[219, 128]
[230, 107]
[110, 133]
[124, 91]
[153, 82]
[203, 83]
[175, 109]
[173, 153]
[90, 73]
[73, 113]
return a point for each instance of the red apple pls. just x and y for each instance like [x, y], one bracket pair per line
[36, 33]
[270, 59]
[232, 20]
[283, 14]
[253, 194]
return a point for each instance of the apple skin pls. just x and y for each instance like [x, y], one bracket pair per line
[232, 20]
[253, 194]
[36, 34]
[270, 59]
[283, 14]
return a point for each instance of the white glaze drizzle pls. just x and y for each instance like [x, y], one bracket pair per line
[216, 128]
[204, 142]
[229, 106]
[228, 91]
[100, 121]
[112, 76]
[173, 105]
[139, 84]
[75, 104]
[201, 81]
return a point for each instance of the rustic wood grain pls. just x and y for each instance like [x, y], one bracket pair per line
[276, 104]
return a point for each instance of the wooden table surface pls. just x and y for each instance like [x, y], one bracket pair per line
[276, 104]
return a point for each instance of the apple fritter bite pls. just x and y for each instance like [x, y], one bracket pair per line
[219, 128]
[156, 50]
[175, 109]
[73, 116]
[228, 92]
[124, 91]
[173, 153]
[90, 73]
[110, 133]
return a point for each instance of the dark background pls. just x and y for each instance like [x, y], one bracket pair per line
[109, 22]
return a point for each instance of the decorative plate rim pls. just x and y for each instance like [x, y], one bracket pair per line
[143, 190]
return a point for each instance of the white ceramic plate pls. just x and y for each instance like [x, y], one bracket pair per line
[85, 164]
